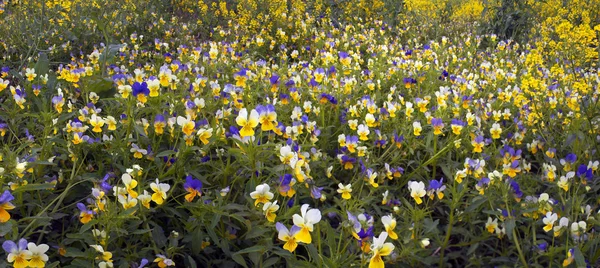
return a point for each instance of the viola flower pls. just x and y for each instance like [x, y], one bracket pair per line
[363, 132]
[204, 134]
[160, 191]
[436, 187]
[345, 190]
[551, 152]
[193, 187]
[495, 131]
[85, 215]
[269, 210]
[153, 86]
[159, 124]
[563, 182]
[417, 128]
[162, 261]
[137, 151]
[482, 184]
[240, 78]
[267, 117]
[492, 226]
[379, 249]
[417, 191]
[569, 160]
[285, 185]
[19, 96]
[478, 144]
[97, 123]
[6, 205]
[563, 224]
[30, 74]
[351, 143]
[140, 91]
[290, 237]
[549, 221]
[306, 221]
[130, 184]
[248, 123]
[438, 125]
[187, 125]
[570, 257]
[145, 199]
[371, 176]
[347, 162]
[111, 122]
[261, 194]
[18, 254]
[319, 74]
[390, 224]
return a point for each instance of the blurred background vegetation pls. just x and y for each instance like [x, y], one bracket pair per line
[56, 28]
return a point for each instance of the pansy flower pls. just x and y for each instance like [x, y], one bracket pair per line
[436, 188]
[140, 91]
[18, 254]
[380, 248]
[306, 221]
[269, 210]
[160, 191]
[438, 125]
[290, 237]
[6, 205]
[267, 117]
[261, 194]
[193, 187]
[417, 191]
[247, 122]
[345, 190]
[85, 214]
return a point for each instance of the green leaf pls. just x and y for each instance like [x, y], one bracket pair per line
[34, 187]
[579, 259]
[239, 259]
[43, 64]
[166, 153]
[158, 236]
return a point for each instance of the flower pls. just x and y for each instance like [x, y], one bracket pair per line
[5, 205]
[269, 210]
[204, 134]
[38, 254]
[288, 236]
[363, 132]
[163, 261]
[417, 190]
[345, 190]
[18, 255]
[187, 124]
[438, 125]
[379, 249]
[417, 128]
[549, 221]
[85, 215]
[306, 221]
[436, 187]
[390, 224]
[97, 123]
[267, 117]
[130, 184]
[491, 226]
[261, 194]
[495, 131]
[145, 199]
[160, 191]
[193, 187]
[247, 122]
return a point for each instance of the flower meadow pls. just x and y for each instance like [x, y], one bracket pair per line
[272, 134]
